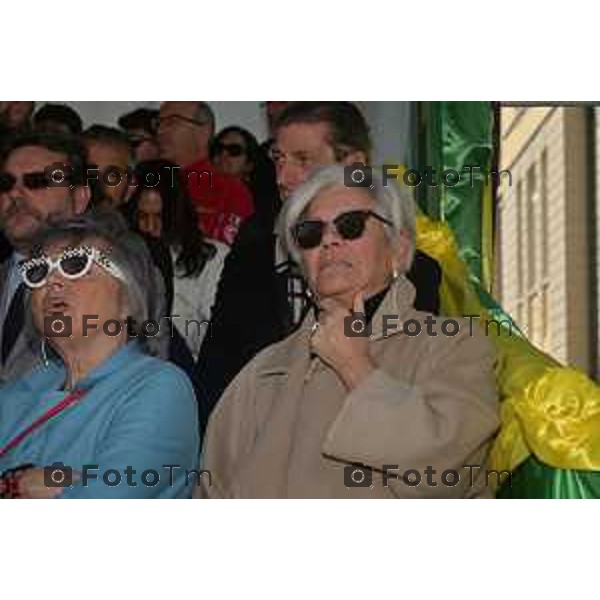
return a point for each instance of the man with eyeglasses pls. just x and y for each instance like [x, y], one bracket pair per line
[185, 132]
[261, 297]
[29, 199]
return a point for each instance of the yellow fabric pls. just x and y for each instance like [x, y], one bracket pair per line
[487, 236]
[547, 409]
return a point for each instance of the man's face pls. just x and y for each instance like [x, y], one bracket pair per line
[24, 211]
[103, 156]
[298, 150]
[144, 145]
[181, 137]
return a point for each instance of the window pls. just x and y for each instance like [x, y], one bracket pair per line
[545, 225]
[532, 227]
[519, 228]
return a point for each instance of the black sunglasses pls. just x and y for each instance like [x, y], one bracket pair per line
[32, 181]
[234, 150]
[349, 225]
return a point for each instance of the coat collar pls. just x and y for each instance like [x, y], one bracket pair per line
[54, 372]
[398, 302]
[294, 351]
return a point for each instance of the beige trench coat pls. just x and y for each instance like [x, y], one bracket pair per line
[287, 427]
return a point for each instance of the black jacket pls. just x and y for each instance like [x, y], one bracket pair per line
[5, 248]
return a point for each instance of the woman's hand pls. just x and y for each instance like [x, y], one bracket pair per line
[349, 357]
[30, 485]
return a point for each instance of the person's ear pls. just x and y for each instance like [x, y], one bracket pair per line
[356, 157]
[82, 196]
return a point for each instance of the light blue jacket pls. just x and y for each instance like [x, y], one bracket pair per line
[139, 414]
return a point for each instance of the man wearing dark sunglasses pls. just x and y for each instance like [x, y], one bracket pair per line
[223, 202]
[29, 200]
[261, 297]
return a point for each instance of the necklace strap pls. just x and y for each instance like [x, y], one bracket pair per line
[56, 410]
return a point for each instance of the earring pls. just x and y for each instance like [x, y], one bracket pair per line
[44, 354]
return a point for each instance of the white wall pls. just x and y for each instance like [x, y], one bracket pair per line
[391, 131]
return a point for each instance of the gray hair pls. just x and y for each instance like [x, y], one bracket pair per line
[144, 284]
[392, 201]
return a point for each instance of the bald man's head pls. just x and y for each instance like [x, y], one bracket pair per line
[185, 131]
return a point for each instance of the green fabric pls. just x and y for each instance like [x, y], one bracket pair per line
[430, 153]
[534, 479]
[453, 136]
[496, 312]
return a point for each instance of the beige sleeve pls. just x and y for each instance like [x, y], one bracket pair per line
[229, 427]
[444, 422]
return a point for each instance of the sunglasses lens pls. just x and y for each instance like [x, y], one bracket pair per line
[7, 182]
[309, 234]
[351, 225]
[234, 150]
[36, 273]
[74, 265]
[35, 181]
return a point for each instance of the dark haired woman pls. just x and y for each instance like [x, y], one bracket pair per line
[159, 208]
[235, 151]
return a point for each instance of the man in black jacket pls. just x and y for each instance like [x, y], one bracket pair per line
[261, 299]
[28, 202]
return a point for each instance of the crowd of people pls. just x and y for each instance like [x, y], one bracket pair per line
[174, 312]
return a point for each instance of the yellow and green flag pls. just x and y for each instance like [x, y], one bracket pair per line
[550, 434]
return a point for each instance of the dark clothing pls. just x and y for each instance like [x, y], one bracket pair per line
[163, 261]
[426, 276]
[13, 322]
[179, 353]
[265, 192]
[246, 316]
[253, 310]
[5, 248]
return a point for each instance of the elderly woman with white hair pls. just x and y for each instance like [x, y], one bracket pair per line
[99, 416]
[355, 404]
